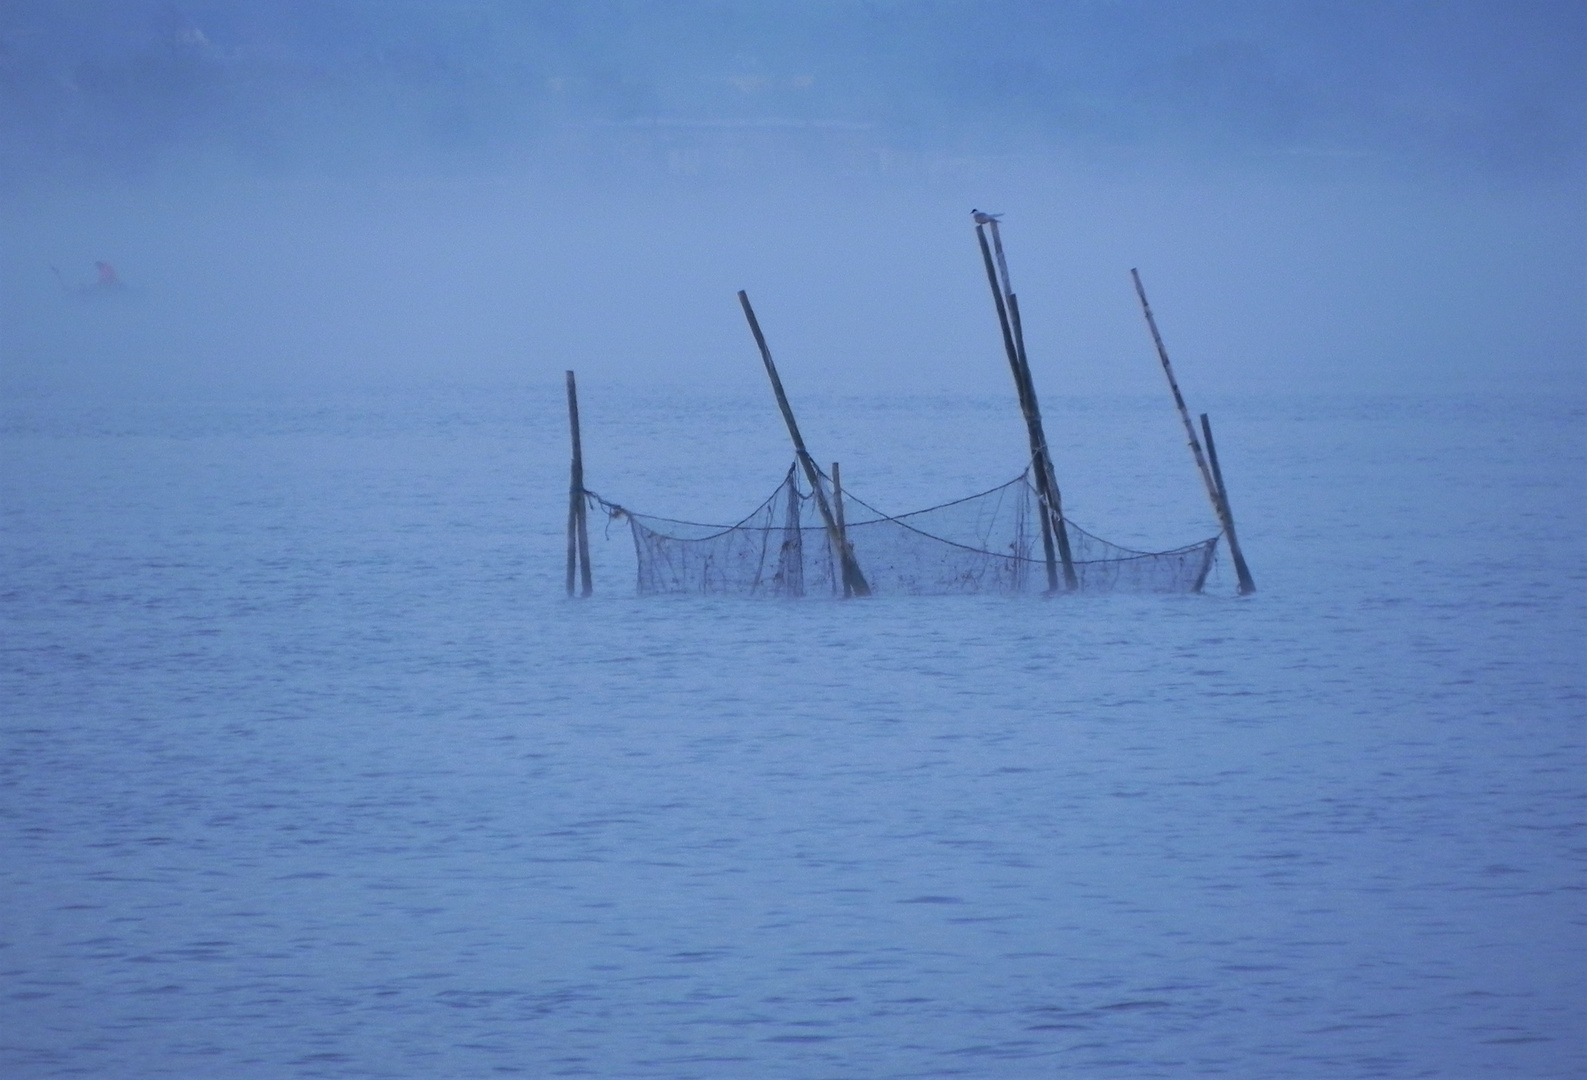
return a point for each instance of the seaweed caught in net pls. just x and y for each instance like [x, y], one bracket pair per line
[986, 543]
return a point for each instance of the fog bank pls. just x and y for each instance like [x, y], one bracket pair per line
[1319, 197]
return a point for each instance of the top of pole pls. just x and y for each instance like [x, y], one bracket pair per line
[851, 568]
[771, 373]
[1179, 398]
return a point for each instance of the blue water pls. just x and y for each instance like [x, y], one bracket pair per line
[309, 769]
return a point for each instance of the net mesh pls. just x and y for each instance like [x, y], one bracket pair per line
[986, 543]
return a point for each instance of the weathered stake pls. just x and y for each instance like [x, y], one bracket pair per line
[1243, 572]
[1219, 508]
[852, 577]
[1018, 326]
[792, 564]
[844, 552]
[1024, 408]
[578, 528]
[1046, 486]
[1060, 529]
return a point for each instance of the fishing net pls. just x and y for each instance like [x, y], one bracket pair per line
[986, 543]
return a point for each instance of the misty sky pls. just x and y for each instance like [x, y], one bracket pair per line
[1320, 195]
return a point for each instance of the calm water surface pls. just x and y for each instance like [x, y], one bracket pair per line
[309, 770]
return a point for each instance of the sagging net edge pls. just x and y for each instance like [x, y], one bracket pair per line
[983, 543]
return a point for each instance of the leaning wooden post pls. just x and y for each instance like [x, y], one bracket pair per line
[1038, 448]
[1218, 506]
[843, 533]
[1243, 572]
[578, 529]
[851, 569]
[1059, 527]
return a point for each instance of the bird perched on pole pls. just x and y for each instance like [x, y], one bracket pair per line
[984, 218]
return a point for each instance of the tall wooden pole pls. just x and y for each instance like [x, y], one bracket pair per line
[852, 576]
[1243, 572]
[578, 529]
[1218, 506]
[792, 563]
[1038, 441]
[843, 532]
[1060, 530]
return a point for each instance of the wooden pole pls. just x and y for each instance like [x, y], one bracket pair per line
[586, 586]
[1243, 572]
[578, 529]
[1218, 506]
[1018, 326]
[843, 532]
[852, 576]
[1060, 529]
[793, 549]
[1038, 447]
[575, 482]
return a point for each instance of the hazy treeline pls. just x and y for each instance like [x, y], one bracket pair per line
[1328, 194]
[117, 85]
